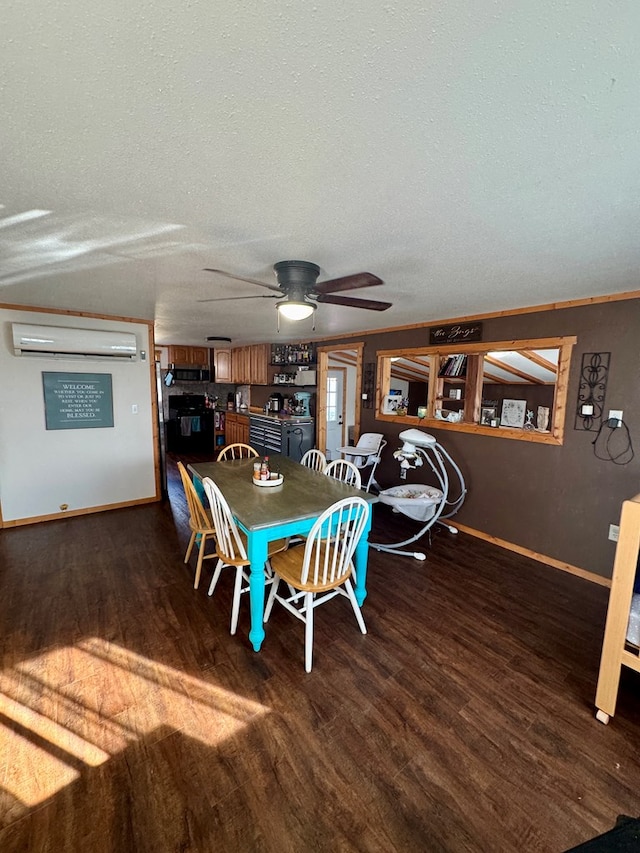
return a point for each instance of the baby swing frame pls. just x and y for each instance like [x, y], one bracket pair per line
[428, 504]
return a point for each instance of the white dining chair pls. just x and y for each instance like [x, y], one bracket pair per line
[314, 459]
[231, 548]
[321, 568]
[345, 471]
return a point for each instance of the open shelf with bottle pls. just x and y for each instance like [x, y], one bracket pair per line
[293, 354]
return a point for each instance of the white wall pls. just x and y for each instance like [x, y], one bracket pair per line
[41, 469]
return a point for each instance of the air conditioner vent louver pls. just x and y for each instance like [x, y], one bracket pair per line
[69, 343]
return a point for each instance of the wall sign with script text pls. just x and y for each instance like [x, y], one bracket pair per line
[458, 333]
[77, 400]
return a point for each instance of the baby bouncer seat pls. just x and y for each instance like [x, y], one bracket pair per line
[428, 504]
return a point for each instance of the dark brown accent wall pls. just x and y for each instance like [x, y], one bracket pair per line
[556, 501]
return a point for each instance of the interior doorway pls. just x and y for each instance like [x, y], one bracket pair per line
[336, 411]
[342, 364]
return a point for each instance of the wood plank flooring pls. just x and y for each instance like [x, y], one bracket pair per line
[130, 720]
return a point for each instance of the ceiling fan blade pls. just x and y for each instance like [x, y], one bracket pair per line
[229, 298]
[244, 278]
[352, 302]
[347, 282]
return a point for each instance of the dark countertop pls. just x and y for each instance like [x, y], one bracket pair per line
[247, 413]
[285, 419]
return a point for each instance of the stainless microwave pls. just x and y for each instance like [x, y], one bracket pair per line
[190, 374]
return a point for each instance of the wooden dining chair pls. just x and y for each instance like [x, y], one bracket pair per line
[321, 568]
[345, 471]
[237, 451]
[314, 459]
[231, 548]
[200, 523]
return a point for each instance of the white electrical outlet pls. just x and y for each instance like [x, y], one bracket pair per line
[616, 415]
[614, 531]
[134, 409]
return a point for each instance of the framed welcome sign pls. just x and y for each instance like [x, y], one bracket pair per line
[77, 400]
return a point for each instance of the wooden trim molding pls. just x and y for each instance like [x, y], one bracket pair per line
[490, 315]
[476, 429]
[323, 353]
[67, 312]
[535, 555]
[476, 353]
[89, 510]
[482, 346]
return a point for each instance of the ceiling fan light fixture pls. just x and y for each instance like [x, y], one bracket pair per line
[296, 309]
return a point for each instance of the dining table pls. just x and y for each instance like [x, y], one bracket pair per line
[288, 510]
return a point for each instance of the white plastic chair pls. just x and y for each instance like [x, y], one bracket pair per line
[231, 548]
[321, 568]
[346, 472]
[367, 452]
[314, 459]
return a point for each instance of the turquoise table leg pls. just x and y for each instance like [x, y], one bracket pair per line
[197, 482]
[361, 556]
[257, 554]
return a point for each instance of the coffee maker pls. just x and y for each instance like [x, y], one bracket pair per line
[302, 403]
[275, 404]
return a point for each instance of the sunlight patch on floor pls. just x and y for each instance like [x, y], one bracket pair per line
[74, 707]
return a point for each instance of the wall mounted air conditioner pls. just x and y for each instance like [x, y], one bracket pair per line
[66, 343]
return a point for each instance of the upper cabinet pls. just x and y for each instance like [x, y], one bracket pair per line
[189, 356]
[222, 364]
[250, 364]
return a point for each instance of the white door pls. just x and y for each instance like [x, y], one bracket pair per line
[335, 426]
[335, 413]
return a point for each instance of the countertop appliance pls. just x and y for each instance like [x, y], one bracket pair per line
[275, 403]
[305, 377]
[302, 403]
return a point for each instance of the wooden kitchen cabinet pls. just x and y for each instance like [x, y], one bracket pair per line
[250, 364]
[236, 428]
[189, 356]
[240, 365]
[259, 357]
[221, 359]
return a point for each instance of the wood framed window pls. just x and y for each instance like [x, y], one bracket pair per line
[509, 389]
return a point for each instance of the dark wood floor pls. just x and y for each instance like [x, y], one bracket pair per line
[463, 721]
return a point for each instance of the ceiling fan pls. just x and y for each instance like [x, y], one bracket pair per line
[299, 289]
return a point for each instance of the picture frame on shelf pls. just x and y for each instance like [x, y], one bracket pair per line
[391, 404]
[513, 413]
[487, 414]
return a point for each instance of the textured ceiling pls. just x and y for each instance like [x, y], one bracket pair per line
[475, 156]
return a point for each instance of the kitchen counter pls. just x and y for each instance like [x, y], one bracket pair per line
[254, 411]
[285, 419]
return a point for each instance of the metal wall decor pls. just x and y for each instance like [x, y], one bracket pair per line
[594, 373]
[368, 385]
